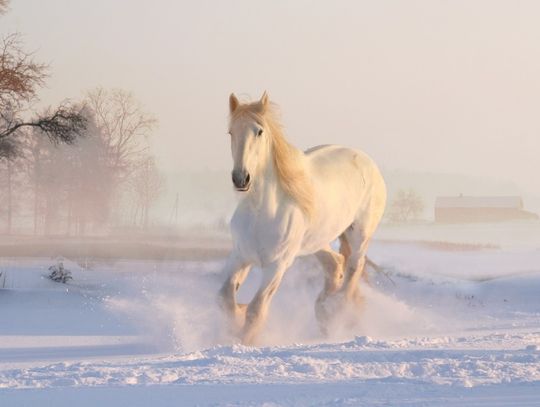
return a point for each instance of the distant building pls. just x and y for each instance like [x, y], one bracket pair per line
[480, 209]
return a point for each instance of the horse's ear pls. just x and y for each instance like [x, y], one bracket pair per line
[264, 100]
[233, 102]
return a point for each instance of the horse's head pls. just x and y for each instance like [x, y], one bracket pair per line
[249, 140]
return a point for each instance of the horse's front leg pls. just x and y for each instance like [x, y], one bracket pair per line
[236, 271]
[257, 309]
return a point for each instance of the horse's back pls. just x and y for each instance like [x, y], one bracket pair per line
[336, 161]
[353, 167]
[348, 186]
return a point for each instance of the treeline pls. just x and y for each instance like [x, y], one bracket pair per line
[77, 168]
[107, 177]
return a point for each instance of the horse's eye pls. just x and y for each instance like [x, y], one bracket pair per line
[260, 132]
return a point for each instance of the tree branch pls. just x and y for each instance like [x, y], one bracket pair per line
[63, 126]
[3, 6]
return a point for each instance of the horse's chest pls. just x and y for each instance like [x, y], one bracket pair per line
[261, 237]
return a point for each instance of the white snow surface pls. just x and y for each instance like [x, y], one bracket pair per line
[445, 326]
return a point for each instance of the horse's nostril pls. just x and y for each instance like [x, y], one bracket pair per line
[240, 179]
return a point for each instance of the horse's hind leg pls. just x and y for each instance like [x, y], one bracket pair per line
[332, 264]
[358, 241]
[344, 247]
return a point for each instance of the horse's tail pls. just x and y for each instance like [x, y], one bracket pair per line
[378, 269]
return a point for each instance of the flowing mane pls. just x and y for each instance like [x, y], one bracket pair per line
[287, 159]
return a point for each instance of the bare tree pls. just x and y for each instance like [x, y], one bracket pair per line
[35, 161]
[20, 75]
[71, 184]
[125, 127]
[89, 185]
[9, 177]
[147, 185]
[406, 206]
[20, 79]
[3, 6]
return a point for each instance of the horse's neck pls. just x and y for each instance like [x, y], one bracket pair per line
[266, 190]
[267, 193]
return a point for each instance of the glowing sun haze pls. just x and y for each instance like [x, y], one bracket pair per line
[434, 86]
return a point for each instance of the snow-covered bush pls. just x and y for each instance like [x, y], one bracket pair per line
[59, 273]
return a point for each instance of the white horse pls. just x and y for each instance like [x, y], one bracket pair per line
[295, 203]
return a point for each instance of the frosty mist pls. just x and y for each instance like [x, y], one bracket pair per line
[422, 97]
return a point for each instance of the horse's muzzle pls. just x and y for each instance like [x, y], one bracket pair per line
[241, 180]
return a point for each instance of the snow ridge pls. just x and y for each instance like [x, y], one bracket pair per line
[440, 361]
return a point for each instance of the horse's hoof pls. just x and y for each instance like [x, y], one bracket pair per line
[354, 298]
[242, 307]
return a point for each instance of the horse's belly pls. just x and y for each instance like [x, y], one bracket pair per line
[335, 213]
[320, 234]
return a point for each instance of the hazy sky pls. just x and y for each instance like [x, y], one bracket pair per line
[441, 86]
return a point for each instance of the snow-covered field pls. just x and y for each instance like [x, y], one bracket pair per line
[449, 324]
